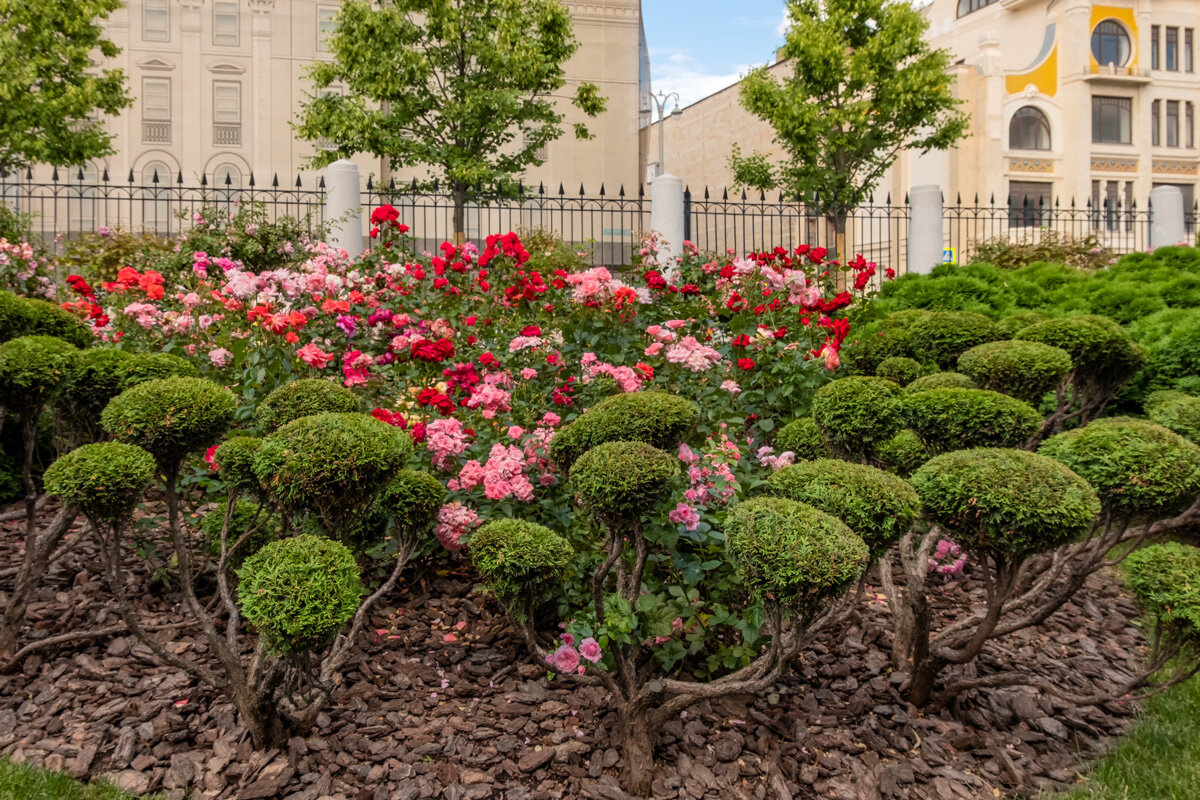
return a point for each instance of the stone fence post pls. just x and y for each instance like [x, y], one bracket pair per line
[1166, 216]
[926, 238]
[666, 213]
[343, 206]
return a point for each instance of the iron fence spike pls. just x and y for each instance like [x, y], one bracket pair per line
[275, 181]
[251, 180]
[203, 180]
[179, 178]
[54, 177]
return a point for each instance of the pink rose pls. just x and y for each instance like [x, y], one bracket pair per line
[565, 659]
[220, 357]
[568, 639]
[529, 373]
[589, 648]
[515, 432]
[654, 349]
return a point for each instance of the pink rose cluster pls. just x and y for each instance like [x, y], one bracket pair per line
[455, 520]
[446, 440]
[567, 659]
[768, 458]
[502, 476]
[711, 479]
[692, 355]
[626, 378]
[948, 559]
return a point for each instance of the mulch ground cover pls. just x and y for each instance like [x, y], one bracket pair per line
[442, 702]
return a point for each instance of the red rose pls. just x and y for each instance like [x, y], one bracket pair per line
[746, 364]
[531, 330]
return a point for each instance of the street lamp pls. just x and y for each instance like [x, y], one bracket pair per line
[660, 100]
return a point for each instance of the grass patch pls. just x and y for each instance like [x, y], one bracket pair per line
[1159, 760]
[22, 782]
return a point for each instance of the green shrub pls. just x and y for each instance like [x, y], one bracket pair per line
[334, 465]
[1178, 411]
[31, 370]
[299, 592]
[170, 417]
[247, 515]
[1182, 292]
[519, 560]
[1086, 252]
[27, 316]
[1176, 357]
[948, 290]
[1124, 303]
[1008, 502]
[623, 480]
[12, 484]
[1008, 327]
[1098, 347]
[956, 419]
[1165, 578]
[106, 480]
[876, 505]
[941, 337]
[235, 464]
[899, 370]
[156, 366]
[1021, 369]
[658, 419]
[790, 555]
[903, 454]
[941, 380]
[801, 437]
[876, 341]
[855, 414]
[413, 499]
[304, 398]
[1135, 466]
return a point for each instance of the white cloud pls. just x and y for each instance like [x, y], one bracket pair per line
[782, 28]
[677, 71]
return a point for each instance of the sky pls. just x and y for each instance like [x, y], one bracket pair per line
[698, 47]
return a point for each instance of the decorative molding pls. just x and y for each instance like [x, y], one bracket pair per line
[1031, 165]
[1114, 164]
[262, 6]
[1172, 167]
[227, 69]
[155, 65]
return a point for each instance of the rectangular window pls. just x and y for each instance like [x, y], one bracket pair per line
[1112, 120]
[1154, 47]
[325, 26]
[226, 22]
[1189, 125]
[227, 103]
[1155, 120]
[156, 100]
[1029, 203]
[156, 21]
[1189, 56]
[1172, 123]
[1173, 49]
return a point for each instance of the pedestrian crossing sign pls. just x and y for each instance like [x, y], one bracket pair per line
[949, 256]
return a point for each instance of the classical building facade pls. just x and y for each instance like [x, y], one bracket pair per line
[217, 84]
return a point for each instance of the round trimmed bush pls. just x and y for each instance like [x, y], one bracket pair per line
[877, 341]
[941, 380]
[409, 503]
[802, 438]
[171, 417]
[956, 419]
[334, 465]
[106, 480]
[31, 370]
[1135, 466]
[519, 560]
[1021, 369]
[904, 453]
[1098, 348]
[28, 316]
[1165, 578]
[876, 505]
[790, 555]
[299, 592]
[246, 515]
[235, 464]
[1008, 327]
[304, 398]
[855, 414]
[156, 366]
[658, 419]
[1009, 502]
[899, 370]
[942, 336]
[1175, 410]
[623, 480]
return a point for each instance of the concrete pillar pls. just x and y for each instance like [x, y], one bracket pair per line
[1166, 216]
[925, 236]
[343, 206]
[262, 97]
[191, 93]
[666, 212]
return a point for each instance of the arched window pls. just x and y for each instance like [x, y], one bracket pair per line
[227, 180]
[1110, 43]
[1029, 130]
[156, 206]
[969, 6]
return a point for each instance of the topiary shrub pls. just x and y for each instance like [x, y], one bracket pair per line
[518, 560]
[802, 438]
[235, 464]
[855, 414]
[31, 370]
[1137, 467]
[303, 398]
[899, 370]
[1021, 369]
[333, 465]
[954, 419]
[876, 505]
[171, 417]
[248, 517]
[408, 506]
[299, 592]
[903, 453]
[1165, 578]
[27, 316]
[106, 480]
[155, 366]
[658, 419]
[941, 380]
[790, 555]
[621, 481]
[1008, 327]
[877, 341]
[941, 337]
[1175, 410]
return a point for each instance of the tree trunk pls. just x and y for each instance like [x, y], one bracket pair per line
[460, 213]
[924, 676]
[262, 721]
[637, 746]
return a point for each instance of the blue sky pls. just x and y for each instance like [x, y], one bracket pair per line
[698, 47]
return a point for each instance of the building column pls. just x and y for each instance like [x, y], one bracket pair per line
[260, 114]
[188, 102]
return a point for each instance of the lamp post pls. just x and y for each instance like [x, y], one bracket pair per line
[660, 100]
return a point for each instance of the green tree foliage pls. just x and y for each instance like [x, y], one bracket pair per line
[50, 94]
[864, 86]
[466, 88]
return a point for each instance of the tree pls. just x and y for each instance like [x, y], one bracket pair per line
[464, 87]
[864, 86]
[52, 93]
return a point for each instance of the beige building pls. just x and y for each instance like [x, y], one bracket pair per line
[217, 82]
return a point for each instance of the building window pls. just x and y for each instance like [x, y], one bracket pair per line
[1172, 123]
[1154, 36]
[970, 6]
[227, 180]
[1189, 55]
[156, 21]
[1112, 120]
[156, 111]
[1189, 124]
[1029, 130]
[1172, 51]
[1028, 203]
[227, 113]
[1110, 43]
[1155, 122]
[226, 23]
[326, 23]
